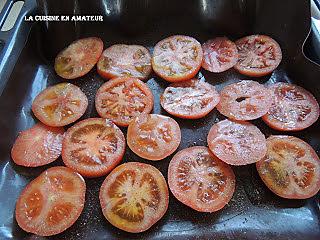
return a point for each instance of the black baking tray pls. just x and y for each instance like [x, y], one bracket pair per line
[27, 67]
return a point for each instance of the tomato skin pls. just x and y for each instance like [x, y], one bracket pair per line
[149, 218]
[128, 84]
[185, 195]
[41, 226]
[27, 151]
[195, 65]
[280, 180]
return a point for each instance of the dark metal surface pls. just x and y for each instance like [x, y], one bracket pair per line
[254, 212]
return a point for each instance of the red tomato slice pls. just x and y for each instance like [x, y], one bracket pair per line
[37, 146]
[245, 100]
[153, 137]
[293, 108]
[259, 55]
[134, 196]
[60, 105]
[177, 58]
[122, 99]
[219, 54]
[237, 143]
[291, 168]
[52, 202]
[93, 147]
[78, 58]
[189, 99]
[122, 60]
[200, 180]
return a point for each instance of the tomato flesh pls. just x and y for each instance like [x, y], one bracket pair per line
[52, 202]
[60, 105]
[153, 137]
[134, 196]
[177, 58]
[200, 180]
[293, 108]
[78, 58]
[122, 60]
[37, 146]
[245, 100]
[291, 168]
[93, 147]
[122, 99]
[190, 99]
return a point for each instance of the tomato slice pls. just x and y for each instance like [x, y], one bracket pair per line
[52, 202]
[293, 108]
[237, 143]
[259, 55]
[153, 136]
[93, 147]
[78, 58]
[37, 146]
[122, 60]
[291, 168]
[189, 99]
[219, 54]
[177, 58]
[200, 180]
[122, 99]
[245, 100]
[134, 196]
[60, 105]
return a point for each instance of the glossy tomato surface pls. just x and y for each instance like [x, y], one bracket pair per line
[134, 196]
[291, 168]
[52, 202]
[200, 180]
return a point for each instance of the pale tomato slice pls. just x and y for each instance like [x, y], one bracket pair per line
[291, 168]
[293, 108]
[259, 55]
[134, 196]
[219, 54]
[237, 143]
[52, 202]
[60, 105]
[93, 147]
[122, 99]
[122, 60]
[200, 180]
[37, 146]
[78, 58]
[153, 137]
[245, 100]
[177, 58]
[190, 99]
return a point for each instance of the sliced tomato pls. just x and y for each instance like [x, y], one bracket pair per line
[245, 100]
[291, 168]
[153, 136]
[200, 180]
[122, 60]
[237, 143]
[219, 54]
[293, 108]
[189, 99]
[134, 196]
[93, 147]
[52, 202]
[78, 58]
[37, 146]
[177, 58]
[122, 99]
[60, 105]
[259, 55]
